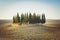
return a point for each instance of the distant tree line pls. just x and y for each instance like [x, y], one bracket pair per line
[29, 18]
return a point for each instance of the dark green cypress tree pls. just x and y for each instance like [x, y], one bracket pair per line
[22, 18]
[38, 19]
[18, 18]
[34, 18]
[43, 18]
[27, 17]
[30, 18]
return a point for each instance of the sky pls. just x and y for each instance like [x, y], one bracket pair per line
[9, 8]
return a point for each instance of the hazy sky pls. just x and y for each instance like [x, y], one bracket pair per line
[9, 8]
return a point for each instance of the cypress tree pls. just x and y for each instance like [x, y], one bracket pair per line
[38, 19]
[22, 18]
[30, 18]
[43, 18]
[34, 18]
[27, 17]
[18, 18]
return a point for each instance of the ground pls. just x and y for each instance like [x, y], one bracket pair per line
[30, 32]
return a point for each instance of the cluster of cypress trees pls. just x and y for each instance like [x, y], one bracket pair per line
[29, 18]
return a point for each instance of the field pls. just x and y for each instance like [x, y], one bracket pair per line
[48, 31]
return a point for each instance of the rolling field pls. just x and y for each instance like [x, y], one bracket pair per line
[48, 31]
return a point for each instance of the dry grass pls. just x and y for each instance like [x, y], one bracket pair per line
[30, 32]
[52, 25]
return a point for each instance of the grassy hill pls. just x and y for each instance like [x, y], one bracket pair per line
[31, 31]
